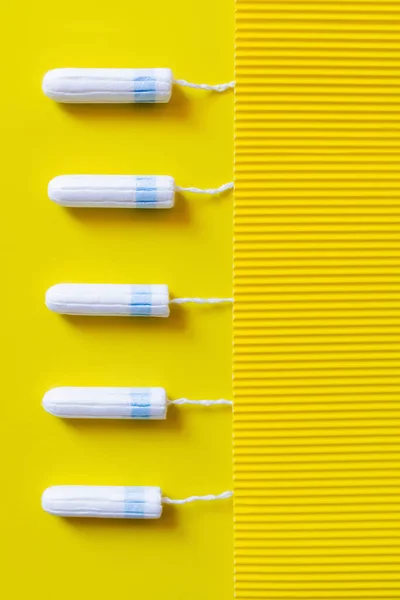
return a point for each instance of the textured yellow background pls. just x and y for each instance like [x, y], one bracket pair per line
[188, 554]
[317, 300]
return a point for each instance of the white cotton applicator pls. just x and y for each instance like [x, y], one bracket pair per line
[106, 403]
[117, 85]
[116, 299]
[114, 502]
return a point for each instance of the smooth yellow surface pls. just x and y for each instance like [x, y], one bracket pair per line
[187, 554]
[317, 300]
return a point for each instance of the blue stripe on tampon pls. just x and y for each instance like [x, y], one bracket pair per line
[140, 405]
[134, 505]
[141, 288]
[146, 196]
[140, 412]
[144, 89]
[146, 190]
[142, 310]
[141, 299]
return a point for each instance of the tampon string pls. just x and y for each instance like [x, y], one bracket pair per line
[181, 401]
[200, 300]
[208, 191]
[221, 87]
[208, 498]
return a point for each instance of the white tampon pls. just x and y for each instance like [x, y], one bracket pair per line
[106, 403]
[115, 502]
[113, 191]
[116, 85]
[109, 299]
[120, 191]
[116, 299]
[114, 402]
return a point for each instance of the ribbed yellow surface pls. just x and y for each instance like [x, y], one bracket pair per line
[317, 300]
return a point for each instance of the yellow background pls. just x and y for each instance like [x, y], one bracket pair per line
[317, 300]
[187, 554]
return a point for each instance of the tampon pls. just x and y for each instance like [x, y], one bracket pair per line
[121, 191]
[107, 299]
[116, 85]
[115, 502]
[113, 191]
[106, 402]
[115, 402]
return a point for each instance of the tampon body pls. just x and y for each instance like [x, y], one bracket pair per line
[106, 402]
[108, 85]
[115, 502]
[109, 299]
[113, 191]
